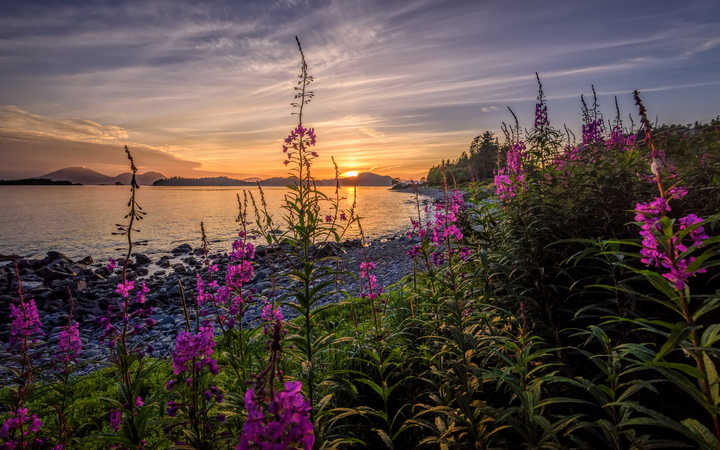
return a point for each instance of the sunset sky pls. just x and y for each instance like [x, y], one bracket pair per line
[204, 89]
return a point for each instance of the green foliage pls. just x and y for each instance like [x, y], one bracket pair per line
[476, 165]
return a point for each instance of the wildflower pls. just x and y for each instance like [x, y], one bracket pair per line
[511, 178]
[140, 294]
[25, 322]
[271, 314]
[663, 253]
[194, 346]
[328, 219]
[125, 287]
[20, 423]
[367, 269]
[285, 423]
[343, 217]
[69, 342]
[172, 408]
[592, 132]
[111, 265]
[139, 402]
[115, 419]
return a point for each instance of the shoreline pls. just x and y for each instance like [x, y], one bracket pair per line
[47, 281]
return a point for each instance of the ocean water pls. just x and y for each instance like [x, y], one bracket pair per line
[79, 220]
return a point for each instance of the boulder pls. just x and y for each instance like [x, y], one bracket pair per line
[182, 248]
[86, 261]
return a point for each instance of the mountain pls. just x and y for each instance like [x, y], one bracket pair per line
[367, 179]
[363, 179]
[83, 175]
[80, 175]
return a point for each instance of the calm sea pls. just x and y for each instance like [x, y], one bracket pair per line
[79, 220]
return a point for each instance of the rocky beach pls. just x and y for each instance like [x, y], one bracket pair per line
[49, 280]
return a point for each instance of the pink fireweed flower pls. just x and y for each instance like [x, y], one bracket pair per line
[111, 265]
[242, 250]
[369, 286]
[25, 322]
[20, 423]
[697, 234]
[194, 346]
[69, 343]
[283, 424]
[659, 251]
[139, 402]
[509, 180]
[271, 314]
[592, 132]
[125, 287]
[140, 295]
[237, 274]
[115, 419]
[328, 219]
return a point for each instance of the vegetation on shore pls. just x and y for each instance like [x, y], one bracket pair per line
[576, 306]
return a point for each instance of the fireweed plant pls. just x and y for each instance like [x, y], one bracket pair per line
[306, 230]
[21, 429]
[125, 324]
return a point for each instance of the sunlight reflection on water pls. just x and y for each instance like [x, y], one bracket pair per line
[79, 220]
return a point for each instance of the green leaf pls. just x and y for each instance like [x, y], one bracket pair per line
[702, 433]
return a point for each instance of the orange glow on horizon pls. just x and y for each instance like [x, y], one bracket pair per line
[350, 173]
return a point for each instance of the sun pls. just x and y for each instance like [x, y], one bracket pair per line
[350, 173]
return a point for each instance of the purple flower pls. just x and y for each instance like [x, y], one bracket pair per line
[511, 178]
[25, 322]
[172, 408]
[111, 265]
[139, 402]
[69, 343]
[270, 314]
[19, 420]
[140, 294]
[125, 287]
[285, 423]
[198, 347]
[115, 419]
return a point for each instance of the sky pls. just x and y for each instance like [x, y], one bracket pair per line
[204, 88]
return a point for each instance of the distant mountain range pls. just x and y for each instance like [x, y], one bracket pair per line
[82, 175]
[363, 179]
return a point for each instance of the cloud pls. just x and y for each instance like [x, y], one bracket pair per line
[16, 120]
[398, 84]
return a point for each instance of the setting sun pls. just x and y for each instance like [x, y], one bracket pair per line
[350, 173]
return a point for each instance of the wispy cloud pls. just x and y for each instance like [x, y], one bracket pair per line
[398, 87]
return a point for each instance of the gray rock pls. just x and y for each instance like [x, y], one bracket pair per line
[182, 248]
[141, 259]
